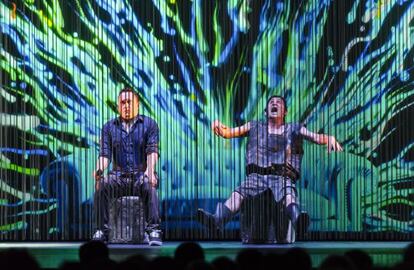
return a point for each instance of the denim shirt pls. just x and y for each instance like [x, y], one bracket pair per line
[265, 149]
[128, 150]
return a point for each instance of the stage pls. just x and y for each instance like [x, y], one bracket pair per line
[52, 254]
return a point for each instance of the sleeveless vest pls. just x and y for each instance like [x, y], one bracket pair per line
[264, 149]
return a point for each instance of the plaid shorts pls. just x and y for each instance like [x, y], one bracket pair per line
[256, 184]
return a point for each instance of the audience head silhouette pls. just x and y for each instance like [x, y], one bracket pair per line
[188, 252]
[93, 251]
[17, 259]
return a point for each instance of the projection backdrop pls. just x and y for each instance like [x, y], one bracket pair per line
[345, 68]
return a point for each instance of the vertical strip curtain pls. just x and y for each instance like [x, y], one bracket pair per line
[345, 69]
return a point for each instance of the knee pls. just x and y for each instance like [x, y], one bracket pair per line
[289, 199]
[237, 196]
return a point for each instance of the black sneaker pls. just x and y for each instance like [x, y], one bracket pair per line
[207, 219]
[146, 238]
[154, 238]
[303, 224]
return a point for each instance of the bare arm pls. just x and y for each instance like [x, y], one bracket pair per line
[226, 132]
[152, 160]
[151, 150]
[101, 164]
[105, 152]
[329, 141]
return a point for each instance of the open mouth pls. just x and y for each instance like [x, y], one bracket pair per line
[273, 110]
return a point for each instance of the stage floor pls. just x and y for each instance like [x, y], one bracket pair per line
[52, 254]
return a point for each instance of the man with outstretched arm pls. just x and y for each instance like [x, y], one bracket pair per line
[273, 157]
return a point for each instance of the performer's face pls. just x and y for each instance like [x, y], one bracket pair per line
[276, 108]
[128, 105]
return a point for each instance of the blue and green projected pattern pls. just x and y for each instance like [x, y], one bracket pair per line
[345, 67]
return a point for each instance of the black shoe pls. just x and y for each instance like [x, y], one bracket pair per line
[216, 221]
[146, 238]
[154, 238]
[303, 223]
[207, 219]
[300, 220]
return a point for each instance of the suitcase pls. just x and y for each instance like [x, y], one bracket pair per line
[263, 221]
[127, 221]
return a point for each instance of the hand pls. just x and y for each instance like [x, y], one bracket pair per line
[218, 128]
[97, 175]
[333, 145]
[152, 178]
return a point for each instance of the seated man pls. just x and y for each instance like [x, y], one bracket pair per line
[273, 156]
[130, 141]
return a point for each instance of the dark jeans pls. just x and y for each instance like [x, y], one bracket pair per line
[116, 185]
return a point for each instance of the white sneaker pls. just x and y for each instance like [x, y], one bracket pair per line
[155, 238]
[99, 236]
